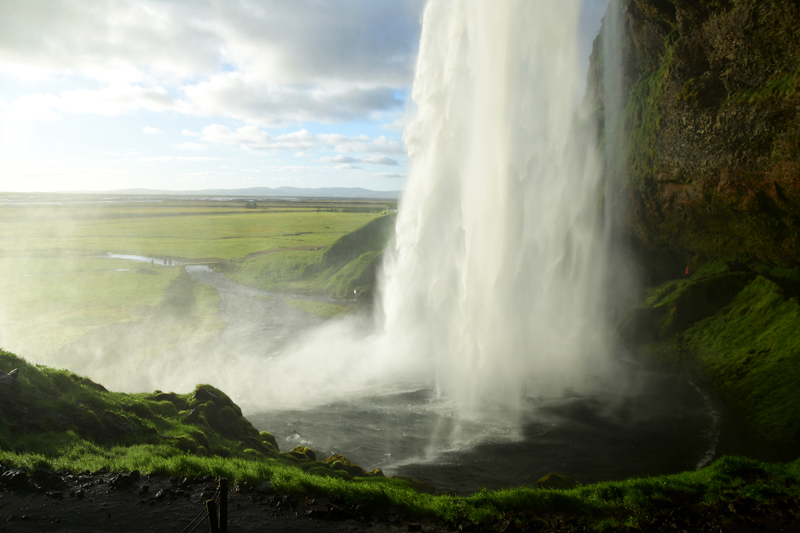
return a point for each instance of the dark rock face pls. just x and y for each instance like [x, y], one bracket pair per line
[711, 123]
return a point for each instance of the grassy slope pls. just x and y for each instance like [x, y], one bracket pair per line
[734, 325]
[220, 230]
[348, 265]
[61, 421]
[56, 291]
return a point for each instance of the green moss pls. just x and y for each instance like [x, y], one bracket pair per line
[735, 325]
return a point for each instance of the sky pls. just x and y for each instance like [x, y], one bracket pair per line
[99, 95]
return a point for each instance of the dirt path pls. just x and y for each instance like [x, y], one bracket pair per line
[107, 502]
[114, 503]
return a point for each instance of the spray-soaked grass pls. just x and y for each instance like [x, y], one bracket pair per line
[70, 423]
[51, 303]
[57, 288]
[735, 325]
[347, 269]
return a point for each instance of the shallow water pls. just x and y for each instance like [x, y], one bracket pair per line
[665, 427]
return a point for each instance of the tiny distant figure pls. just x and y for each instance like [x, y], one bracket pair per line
[355, 294]
[688, 271]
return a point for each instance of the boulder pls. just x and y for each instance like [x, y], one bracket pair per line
[338, 461]
[303, 452]
[45, 479]
[13, 478]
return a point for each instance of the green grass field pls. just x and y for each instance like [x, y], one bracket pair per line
[58, 286]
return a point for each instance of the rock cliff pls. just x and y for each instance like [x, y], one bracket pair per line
[700, 124]
[711, 118]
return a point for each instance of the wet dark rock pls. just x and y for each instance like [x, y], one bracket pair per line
[123, 481]
[13, 478]
[45, 479]
[55, 494]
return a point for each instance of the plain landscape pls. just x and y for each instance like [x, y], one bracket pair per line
[580, 315]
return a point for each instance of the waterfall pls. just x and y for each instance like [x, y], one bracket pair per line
[495, 279]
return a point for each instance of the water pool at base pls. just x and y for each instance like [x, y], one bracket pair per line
[666, 426]
[643, 424]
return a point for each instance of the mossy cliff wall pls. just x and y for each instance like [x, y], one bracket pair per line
[712, 123]
[703, 167]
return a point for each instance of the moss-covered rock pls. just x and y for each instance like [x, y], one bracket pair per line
[303, 452]
[51, 410]
[734, 327]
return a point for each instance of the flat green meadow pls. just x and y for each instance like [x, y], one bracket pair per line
[59, 284]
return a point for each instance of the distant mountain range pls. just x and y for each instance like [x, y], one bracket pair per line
[256, 192]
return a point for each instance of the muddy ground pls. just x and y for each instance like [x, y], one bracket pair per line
[108, 502]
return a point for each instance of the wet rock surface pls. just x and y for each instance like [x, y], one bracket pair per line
[709, 118]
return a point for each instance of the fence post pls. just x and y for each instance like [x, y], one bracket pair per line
[212, 516]
[223, 505]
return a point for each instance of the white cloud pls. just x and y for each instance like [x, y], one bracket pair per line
[151, 131]
[269, 62]
[171, 158]
[254, 138]
[347, 167]
[34, 106]
[115, 100]
[191, 146]
[190, 133]
[381, 160]
[361, 143]
[388, 175]
[339, 159]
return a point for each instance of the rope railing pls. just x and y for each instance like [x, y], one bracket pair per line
[217, 523]
[199, 518]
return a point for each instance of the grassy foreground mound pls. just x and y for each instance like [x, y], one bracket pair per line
[53, 419]
[734, 326]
